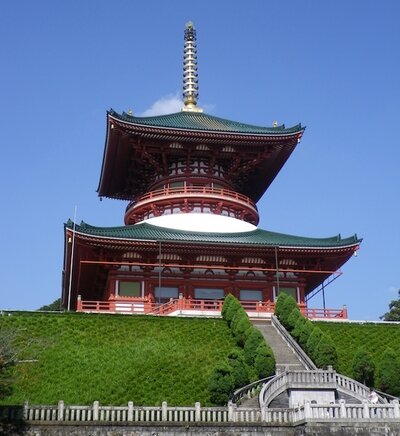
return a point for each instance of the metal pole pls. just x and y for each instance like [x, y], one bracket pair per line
[323, 296]
[72, 261]
[277, 270]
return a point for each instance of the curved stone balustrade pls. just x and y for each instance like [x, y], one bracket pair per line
[312, 379]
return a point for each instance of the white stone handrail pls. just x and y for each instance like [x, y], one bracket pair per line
[316, 379]
[293, 345]
[249, 390]
[164, 413]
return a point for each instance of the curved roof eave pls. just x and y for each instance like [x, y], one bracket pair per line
[258, 237]
[201, 122]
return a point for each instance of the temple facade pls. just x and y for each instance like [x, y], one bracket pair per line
[192, 182]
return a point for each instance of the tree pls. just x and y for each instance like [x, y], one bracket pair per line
[227, 302]
[254, 339]
[264, 362]
[363, 367]
[388, 379]
[288, 305]
[279, 303]
[326, 353]
[221, 384]
[305, 332]
[240, 325]
[233, 307]
[313, 341]
[54, 306]
[295, 314]
[239, 368]
[394, 311]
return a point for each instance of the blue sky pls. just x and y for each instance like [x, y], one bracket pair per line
[333, 66]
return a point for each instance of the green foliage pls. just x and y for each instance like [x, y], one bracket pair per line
[239, 368]
[394, 311]
[298, 326]
[304, 332]
[227, 301]
[254, 339]
[388, 379]
[54, 306]
[233, 307]
[264, 362]
[325, 353]
[7, 360]
[279, 303]
[313, 341]
[288, 305]
[294, 316]
[115, 358]
[240, 325]
[348, 337]
[363, 367]
[221, 384]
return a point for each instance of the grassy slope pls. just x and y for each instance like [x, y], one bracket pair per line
[348, 337]
[116, 358]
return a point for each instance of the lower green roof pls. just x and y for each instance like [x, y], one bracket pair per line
[259, 237]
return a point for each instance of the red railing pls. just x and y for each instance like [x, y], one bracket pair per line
[185, 191]
[145, 306]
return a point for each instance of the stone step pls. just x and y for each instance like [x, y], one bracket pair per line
[284, 356]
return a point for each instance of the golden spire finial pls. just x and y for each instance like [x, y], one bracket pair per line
[190, 80]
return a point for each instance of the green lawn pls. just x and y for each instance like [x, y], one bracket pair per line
[349, 336]
[115, 358]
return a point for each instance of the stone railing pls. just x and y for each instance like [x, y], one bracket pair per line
[164, 413]
[250, 390]
[293, 345]
[316, 379]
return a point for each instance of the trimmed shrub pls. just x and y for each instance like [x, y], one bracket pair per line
[388, 379]
[363, 367]
[305, 332]
[221, 384]
[295, 314]
[288, 305]
[264, 362]
[313, 341]
[239, 368]
[240, 324]
[297, 328]
[254, 339]
[227, 301]
[233, 307]
[325, 353]
[279, 303]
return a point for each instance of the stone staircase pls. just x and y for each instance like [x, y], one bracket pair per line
[284, 356]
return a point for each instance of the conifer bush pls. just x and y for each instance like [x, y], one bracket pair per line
[304, 333]
[239, 368]
[221, 384]
[264, 362]
[298, 326]
[233, 307]
[288, 305]
[363, 367]
[325, 353]
[240, 325]
[388, 379]
[313, 341]
[279, 303]
[295, 314]
[227, 301]
[254, 339]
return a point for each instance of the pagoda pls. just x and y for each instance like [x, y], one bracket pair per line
[192, 182]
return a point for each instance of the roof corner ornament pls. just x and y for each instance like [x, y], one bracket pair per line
[190, 76]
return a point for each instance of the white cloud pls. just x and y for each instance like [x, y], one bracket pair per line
[165, 105]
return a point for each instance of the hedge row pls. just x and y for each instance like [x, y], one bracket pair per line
[251, 360]
[318, 345]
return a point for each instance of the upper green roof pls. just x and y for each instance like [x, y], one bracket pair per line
[261, 237]
[203, 122]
